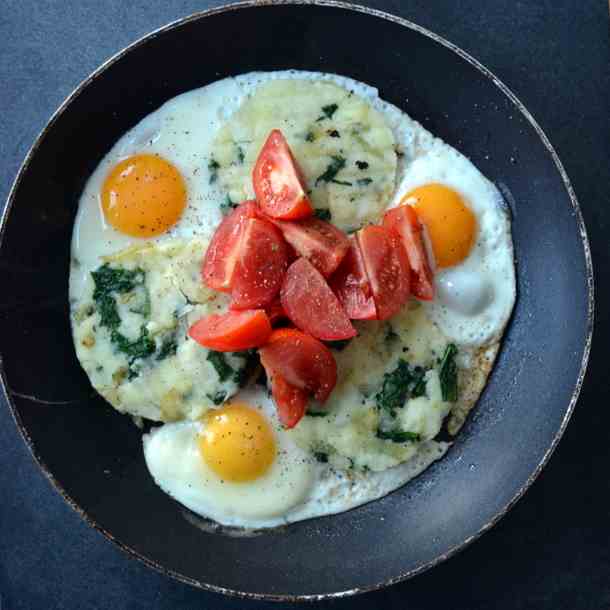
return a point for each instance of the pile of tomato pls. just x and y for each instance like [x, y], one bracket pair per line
[296, 280]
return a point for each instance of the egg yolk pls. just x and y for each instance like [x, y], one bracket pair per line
[451, 225]
[143, 196]
[237, 443]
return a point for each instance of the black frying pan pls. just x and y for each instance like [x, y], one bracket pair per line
[93, 455]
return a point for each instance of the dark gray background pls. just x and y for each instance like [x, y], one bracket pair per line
[553, 549]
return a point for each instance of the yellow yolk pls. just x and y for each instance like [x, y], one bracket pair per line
[237, 443]
[451, 225]
[143, 196]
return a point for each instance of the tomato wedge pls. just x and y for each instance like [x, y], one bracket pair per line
[275, 312]
[290, 401]
[262, 263]
[223, 252]
[301, 360]
[404, 222]
[311, 304]
[232, 331]
[351, 285]
[321, 243]
[387, 269]
[278, 181]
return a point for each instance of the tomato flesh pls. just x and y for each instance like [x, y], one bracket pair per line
[275, 312]
[278, 181]
[351, 285]
[261, 265]
[290, 401]
[320, 242]
[221, 257]
[232, 331]
[387, 269]
[404, 222]
[311, 304]
[302, 361]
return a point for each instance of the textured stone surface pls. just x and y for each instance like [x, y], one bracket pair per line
[552, 550]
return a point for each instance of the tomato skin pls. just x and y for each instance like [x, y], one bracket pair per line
[320, 242]
[261, 265]
[232, 331]
[387, 269]
[405, 223]
[290, 401]
[278, 181]
[351, 285]
[311, 304]
[221, 257]
[304, 362]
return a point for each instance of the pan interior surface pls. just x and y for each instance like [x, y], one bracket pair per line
[95, 455]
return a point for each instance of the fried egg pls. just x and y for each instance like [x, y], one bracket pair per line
[143, 224]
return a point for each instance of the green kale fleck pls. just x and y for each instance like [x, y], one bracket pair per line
[390, 334]
[168, 348]
[316, 413]
[142, 347]
[364, 181]
[399, 436]
[321, 456]
[322, 214]
[333, 133]
[334, 167]
[341, 182]
[240, 155]
[217, 398]
[244, 373]
[328, 112]
[362, 165]
[395, 388]
[310, 136]
[448, 374]
[419, 382]
[228, 205]
[213, 167]
[222, 367]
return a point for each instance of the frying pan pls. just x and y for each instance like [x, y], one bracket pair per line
[93, 455]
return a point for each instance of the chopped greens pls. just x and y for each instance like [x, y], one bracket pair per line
[240, 155]
[341, 182]
[140, 348]
[333, 133]
[213, 167]
[328, 112]
[362, 165]
[399, 436]
[321, 456]
[310, 136]
[364, 181]
[322, 214]
[228, 205]
[448, 374]
[243, 374]
[390, 334]
[334, 167]
[217, 398]
[222, 367]
[316, 413]
[398, 385]
[168, 348]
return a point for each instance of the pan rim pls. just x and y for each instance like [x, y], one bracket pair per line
[245, 4]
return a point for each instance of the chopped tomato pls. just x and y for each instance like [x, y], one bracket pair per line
[387, 269]
[318, 241]
[232, 331]
[275, 312]
[278, 181]
[312, 305]
[223, 252]
[351, 285]
[304, 362]
[404, 221]
[290, 401]
[262, 263]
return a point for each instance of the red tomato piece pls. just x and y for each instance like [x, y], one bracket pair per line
[278, 181]
[351, 285]
[311, 304]
[404, 222]
[232, 331]
[304, 362]
[261, 265]
[387, 269]
[318, 241]
[275, 312]
[223, 252]
[290, 401]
